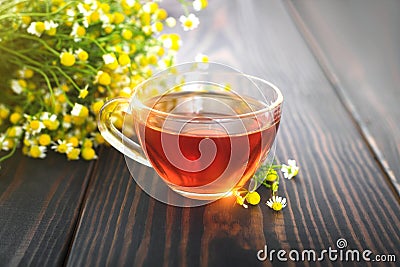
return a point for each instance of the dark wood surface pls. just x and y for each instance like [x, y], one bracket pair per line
[55, 212]
[356, 44]
[40, 204]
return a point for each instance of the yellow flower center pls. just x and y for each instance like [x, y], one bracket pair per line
[127, 34]
[161, 14]
[108, 29]
[74, 141]
[83, 93]
[62, 148]
[99, 138]
[83, 55]
[35, 152]
[84, 112]
[74, 154]
[80, 31]
[105, 7]
[62, 98]
[158, 26]
[15, 117]
[96, 106]
[87, 143]
[271, 176]
[188, 23]
[9, 143]
[4, 113]
[277, 206]
[26, 20]
[22, 83]
[28, 73]
[118, 18]
[253, 198]
[104, 78]
[88, 153]
[67, 59]
[52, 31]
[39, 27]
[124, 59]
[94, 17]
[44, 139]
[51, 125]
[35, 125]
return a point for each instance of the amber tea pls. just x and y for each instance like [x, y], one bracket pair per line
[204, 145]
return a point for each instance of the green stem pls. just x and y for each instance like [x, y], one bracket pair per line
[67, 77]
[46, 78]
[184, 6]
[9, 155]
[20, 56]
[34, 38]
[10, 4]
[96, 43]
[276, 166]
[33, 14]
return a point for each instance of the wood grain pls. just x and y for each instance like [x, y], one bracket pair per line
[356, 44]
[341, 192]
[39, 204]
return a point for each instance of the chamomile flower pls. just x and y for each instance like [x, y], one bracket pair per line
[109, 58]
[199, 4]
[271, 176]
[73, 154]
[150, 7]
[240, 200]
[36, 151]
[78, 32]
[253, 198]
[15, 117]
[36, 28]
[102, 78]
[171, 41]
[6, 142]
[82, 8]
[44, 139]
[17, 86]
[50, 27]
[83, 92]
[71, 13]
[189, 22]
[79, 110]
[88, 153]
[276, 203]
[33, 125]
[291, 170]
[170, 21]
[201, 58]
[25, 73]
[67, 59]
[82, 55]
[14, 131]
[4, 111]
[49, 120]
[61, 146]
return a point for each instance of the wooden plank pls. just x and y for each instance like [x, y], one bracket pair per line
[39, 205]
[357, 45]
[341, 192]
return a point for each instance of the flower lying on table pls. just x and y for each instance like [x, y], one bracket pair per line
[268, 177]
[61, 60]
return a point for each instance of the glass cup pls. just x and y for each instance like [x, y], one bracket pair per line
[205, 128]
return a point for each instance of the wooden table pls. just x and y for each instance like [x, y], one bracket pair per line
[338, 65]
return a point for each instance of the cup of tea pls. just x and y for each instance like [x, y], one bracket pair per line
[205, 128]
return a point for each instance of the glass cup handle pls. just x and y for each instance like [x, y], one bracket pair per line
[114, 136]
